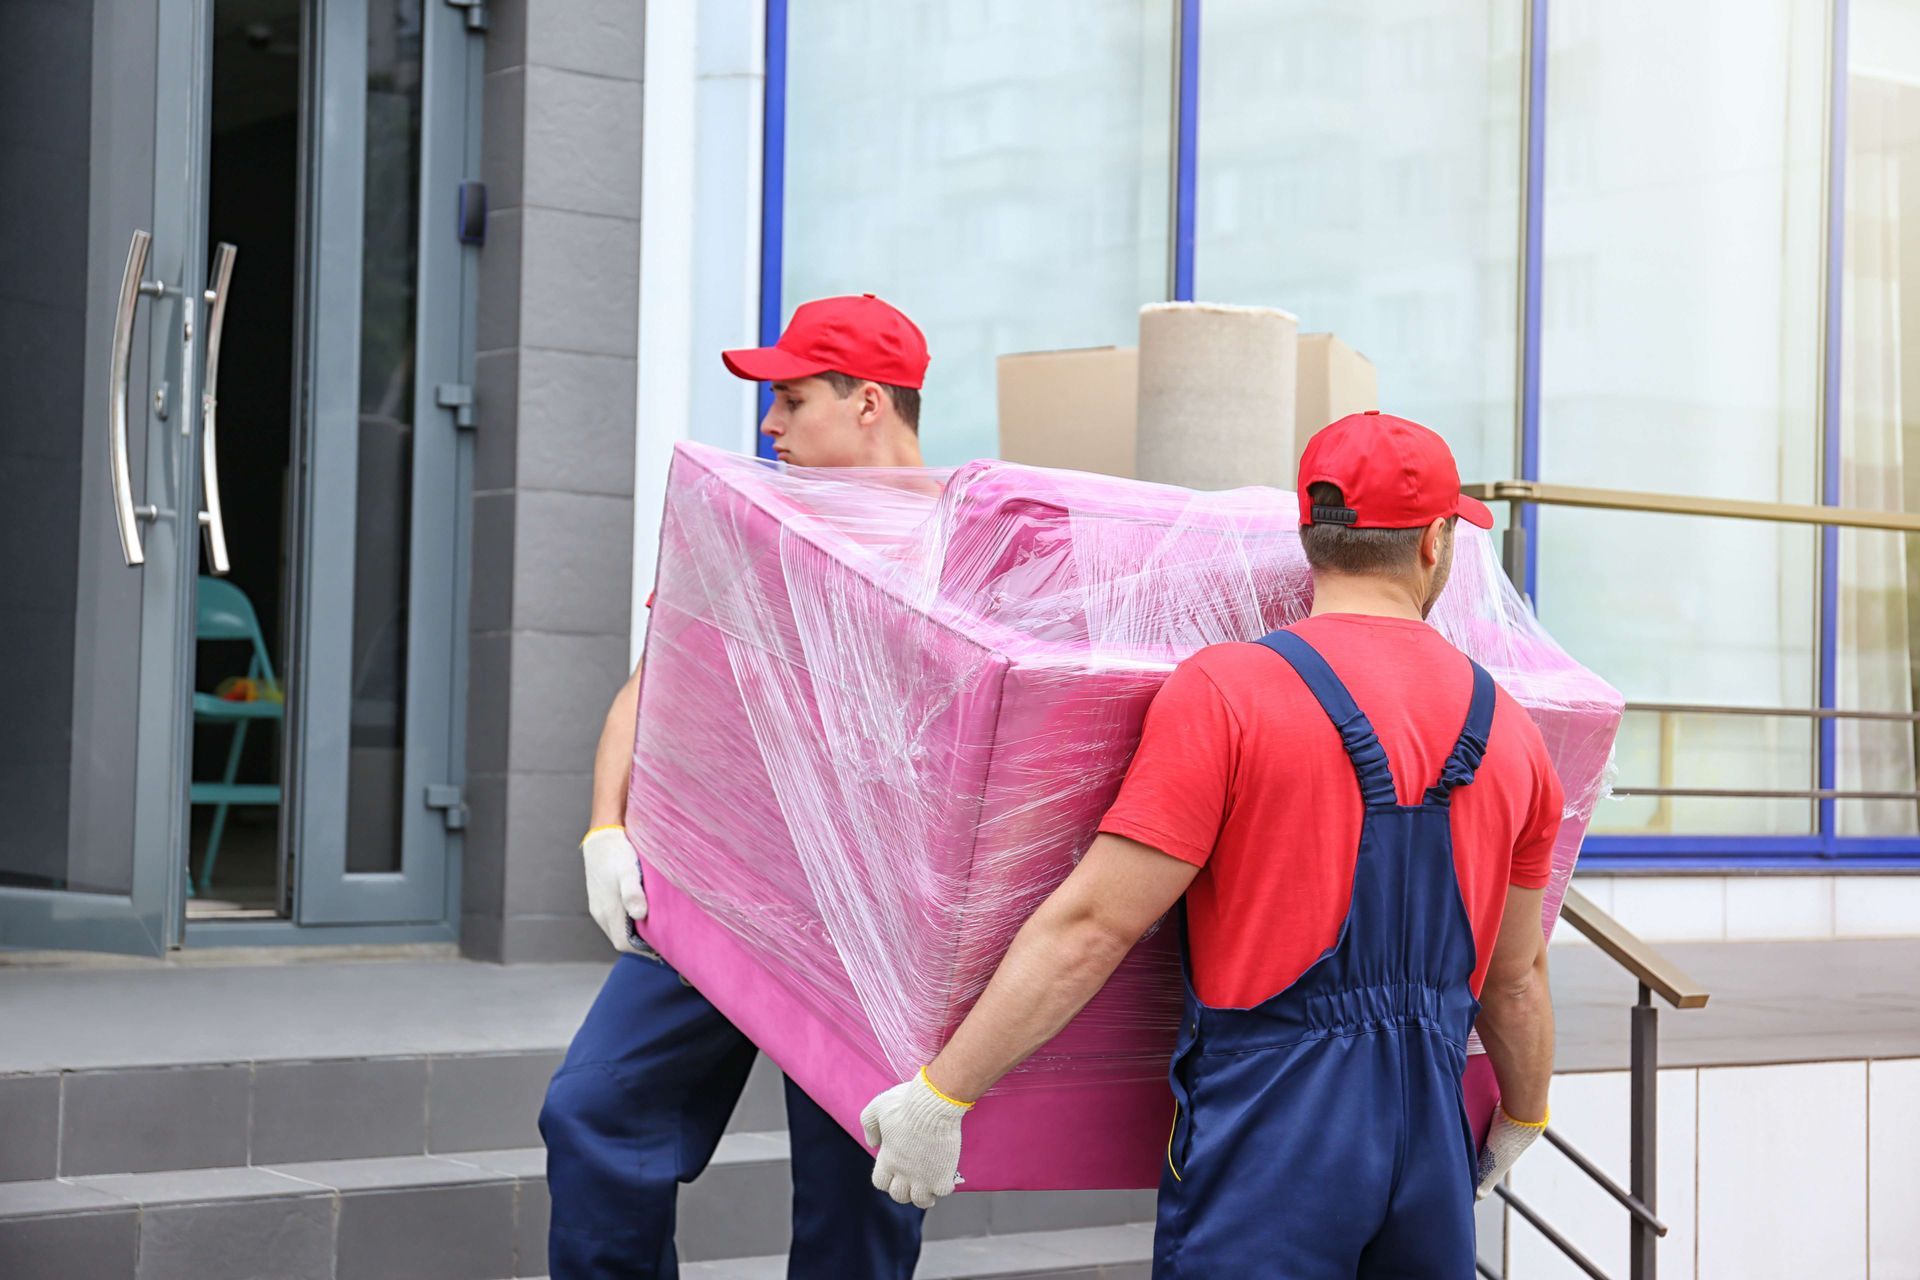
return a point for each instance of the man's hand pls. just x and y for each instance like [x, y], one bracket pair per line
[1506, 1140]
[915, 1129]
[614, 895]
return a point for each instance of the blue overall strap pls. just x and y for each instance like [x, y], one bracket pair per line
[1465, 760]
[1356, 732]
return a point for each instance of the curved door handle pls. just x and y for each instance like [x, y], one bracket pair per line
[132, 285]
[212, 518]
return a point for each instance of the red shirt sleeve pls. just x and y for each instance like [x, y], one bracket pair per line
[1174, 797]
[1533, 854]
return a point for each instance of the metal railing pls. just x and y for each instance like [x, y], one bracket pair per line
[1656, 976]
[1675, 504]
[1653, 973]
[1519, 493]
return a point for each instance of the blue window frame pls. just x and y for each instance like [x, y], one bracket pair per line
[1823, 848]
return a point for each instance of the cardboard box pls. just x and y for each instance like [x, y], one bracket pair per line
[1079, 409]
[1334, 380]
[1071, 409]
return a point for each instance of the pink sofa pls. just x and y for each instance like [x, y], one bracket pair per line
[882, 714]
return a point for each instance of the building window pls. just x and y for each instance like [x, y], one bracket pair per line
[1878, 621]
[1359, 166]
[1683, 256]
[1001, 172]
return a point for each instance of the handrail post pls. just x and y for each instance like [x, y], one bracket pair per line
[1645, 1088]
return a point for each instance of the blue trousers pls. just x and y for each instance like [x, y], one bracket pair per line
[638, 1107]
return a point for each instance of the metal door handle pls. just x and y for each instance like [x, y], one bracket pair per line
[212, 519]
[132, 285]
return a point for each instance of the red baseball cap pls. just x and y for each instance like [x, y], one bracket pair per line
[861, 337]
[1394, 474]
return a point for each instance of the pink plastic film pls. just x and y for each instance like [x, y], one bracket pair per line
[882, 714]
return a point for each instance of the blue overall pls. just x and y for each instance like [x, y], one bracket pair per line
[1322, 1134]
[638, 1107]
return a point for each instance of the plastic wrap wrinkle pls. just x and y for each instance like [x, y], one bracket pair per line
[884, 711]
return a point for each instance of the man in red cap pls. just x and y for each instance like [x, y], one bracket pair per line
[1361, 825]
[652, 1076]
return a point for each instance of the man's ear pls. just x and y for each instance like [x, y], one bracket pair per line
[873, 403]
[1432, 542]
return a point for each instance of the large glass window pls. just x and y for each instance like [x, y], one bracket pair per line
[1685, 204]
[1879, 573]
[1000, 171]
[1359, 166]
[1684, 208]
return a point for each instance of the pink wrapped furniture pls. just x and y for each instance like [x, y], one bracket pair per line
[881, 716]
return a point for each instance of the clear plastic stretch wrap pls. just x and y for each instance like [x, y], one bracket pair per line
[883, 712]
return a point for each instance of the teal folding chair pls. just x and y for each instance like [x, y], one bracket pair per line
[225, 613]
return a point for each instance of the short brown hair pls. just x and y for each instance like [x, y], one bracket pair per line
[906, 400]
[1341, 548]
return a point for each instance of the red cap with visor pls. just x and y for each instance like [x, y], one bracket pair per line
[861, 337]
[1393, 474]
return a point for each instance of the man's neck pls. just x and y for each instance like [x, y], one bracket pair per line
[1365, 594]
[895, 447]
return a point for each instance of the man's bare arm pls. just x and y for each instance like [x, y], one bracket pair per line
[1516, 1009]
[613, 760]
[1060, 958]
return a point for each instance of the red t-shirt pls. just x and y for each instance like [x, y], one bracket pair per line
[1240, 773]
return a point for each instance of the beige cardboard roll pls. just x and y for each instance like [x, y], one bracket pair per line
[1216, 395]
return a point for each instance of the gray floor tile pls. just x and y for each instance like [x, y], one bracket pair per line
[392, 1173]
[736, 1210]
[532, 1211]
[146, 1013]
[1021, 1211]
[768, 1268]
[519, 1162]
[96, 1246]
[147, 1119]
[200, 1186]
[1039, 1253]
[253, 1240]
[30, 1117]
[39, 1199]
[487, 1103]
[439, 1233]
[763, 1103]
[339, 1110]
[958, 1216]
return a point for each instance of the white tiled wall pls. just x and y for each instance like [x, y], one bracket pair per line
[1783, 1172]
[1672, 908]
[1804, 1172]
[1780, 907]
[1591, 1112]
[1876, 906]
[1756, 908]
[1893, 1169]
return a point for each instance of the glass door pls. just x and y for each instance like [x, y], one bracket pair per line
[104, 304]
[384, 462]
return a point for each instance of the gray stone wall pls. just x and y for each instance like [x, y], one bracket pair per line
[553, 472]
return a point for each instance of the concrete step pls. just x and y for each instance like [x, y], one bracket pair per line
[388, 1217]
[482, 1216]
[742, 1206]
[150, 1119]
[1118, 1252]
[147, 1119]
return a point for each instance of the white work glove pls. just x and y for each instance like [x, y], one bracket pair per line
[1506, 1140]
[614, 895]
[915, 1132]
